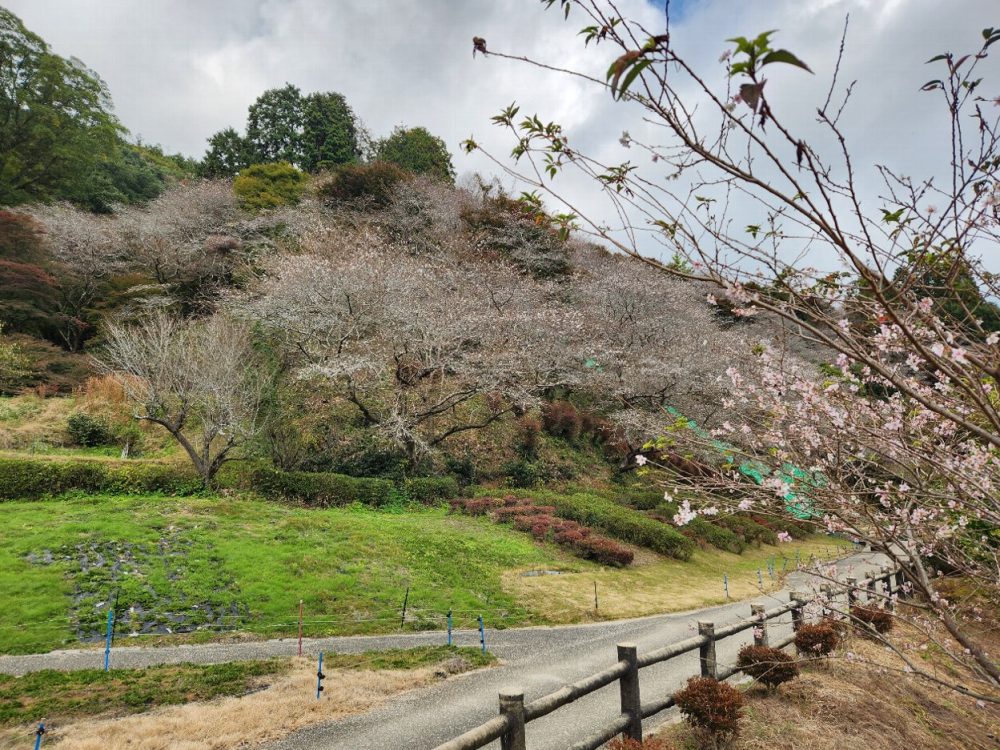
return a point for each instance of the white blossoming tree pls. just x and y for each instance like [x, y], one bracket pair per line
[895, 438]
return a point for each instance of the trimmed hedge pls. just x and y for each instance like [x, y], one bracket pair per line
[622, 523]
[325, 489]
[320, 490]
[29, 479]
[428, 490]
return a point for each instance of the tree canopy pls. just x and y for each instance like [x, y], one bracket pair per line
[417, 150]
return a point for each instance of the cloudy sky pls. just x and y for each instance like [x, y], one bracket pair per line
[180, 70]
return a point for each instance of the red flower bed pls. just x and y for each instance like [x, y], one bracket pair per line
[539, 521]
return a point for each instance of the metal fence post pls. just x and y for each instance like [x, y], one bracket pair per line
[759, 630]
[512, 706]
[706, 651]
[797, 612]
[629, 687]
[852, 591]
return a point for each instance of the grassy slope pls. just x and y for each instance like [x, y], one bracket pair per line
[351, 567]
[254, 560]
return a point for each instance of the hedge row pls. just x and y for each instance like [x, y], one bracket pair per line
[323, 489]
[701, 529]
[30, 479]
[622, 523]
[24, 479]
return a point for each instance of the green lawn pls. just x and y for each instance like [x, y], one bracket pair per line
[211, 564]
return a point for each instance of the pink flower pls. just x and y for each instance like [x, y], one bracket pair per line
[784, 536]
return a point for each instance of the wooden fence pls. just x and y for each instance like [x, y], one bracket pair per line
[510, 725]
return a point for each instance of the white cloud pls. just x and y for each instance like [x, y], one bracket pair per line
[180, 70]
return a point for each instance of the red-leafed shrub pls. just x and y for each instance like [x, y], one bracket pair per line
[871, 618]
[650, 743]
[816, 640]
[603, 550]
[530, 429]
[561, 419]
[524, 523]
[568, 538]
[711, 707]
[770, 666]
[507, 512]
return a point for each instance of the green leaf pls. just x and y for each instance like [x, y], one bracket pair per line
[784, 56]
[890, 217]
[931, 85]
[753, 229]
[943, 56]
[632, 75]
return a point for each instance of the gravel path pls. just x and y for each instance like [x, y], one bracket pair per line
[540, 660]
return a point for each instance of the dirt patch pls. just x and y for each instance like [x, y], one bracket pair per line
[284, 705]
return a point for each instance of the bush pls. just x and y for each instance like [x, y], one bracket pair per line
[770, 666]
[521, 473]
[711, 706]
[321, 489]
[872, 618]
[25, 479]
[263, 186]
[530, 429]
[623, 523]
[627, 743]
[561, 419]
[372, 184]
[747, 530]
[87, 431]
[427, 490]
[816, 640]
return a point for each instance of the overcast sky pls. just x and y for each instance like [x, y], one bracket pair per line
[180, 70]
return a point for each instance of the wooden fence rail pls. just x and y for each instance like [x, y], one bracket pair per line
[510, 727]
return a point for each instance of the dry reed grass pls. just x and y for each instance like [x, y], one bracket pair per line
[287, 704]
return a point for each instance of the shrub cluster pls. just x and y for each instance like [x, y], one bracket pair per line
[539, 521]
[325, 489]
[563, 419]
[748, 530]
[872, 618]
[816, 640]
[371, 184]
[711, 706]
[623, 523]
[25, 479]
[262, 186]
[87, 431]
[770, 666]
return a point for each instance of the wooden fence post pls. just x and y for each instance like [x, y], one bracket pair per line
[512, 705]
[760, 629]
[827, 591]
[887, 587]
[706, 651]
[797, 612]
[852, 591]
[900, 591]
[629, 684]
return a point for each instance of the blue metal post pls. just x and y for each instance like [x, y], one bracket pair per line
[449, 627]
[38, 734]
[760, 579]
[482, 634]
[107, 645]
[319, 676]
[725, 584]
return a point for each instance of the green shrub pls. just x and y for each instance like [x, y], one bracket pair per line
[263, 186]
[87, 431]
[320, 489]
[372, 184]
[26, 479]
[429, 489]
[623, 523]
[521, 473]
[749, 531]
[717, 536]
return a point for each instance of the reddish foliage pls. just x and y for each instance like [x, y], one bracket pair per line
[816, 640]
[711, 705]
[770, 666]
[872, 618]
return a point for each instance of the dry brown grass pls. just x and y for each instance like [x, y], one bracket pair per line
[654, 584]
[289, 703]
[844, 704]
